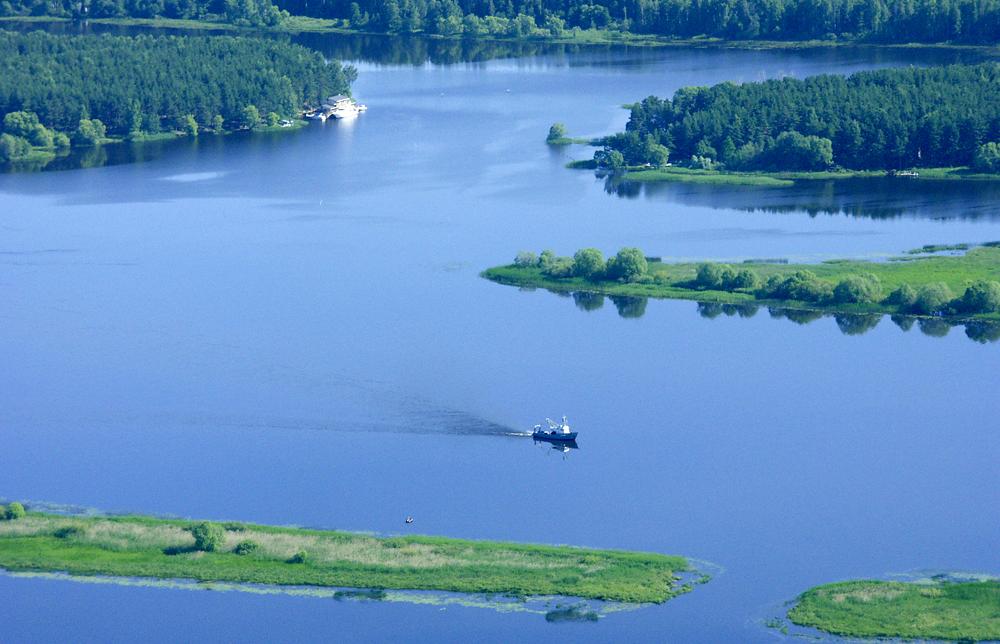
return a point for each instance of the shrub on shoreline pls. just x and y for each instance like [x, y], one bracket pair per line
[208, 537]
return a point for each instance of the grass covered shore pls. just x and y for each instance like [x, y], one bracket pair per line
[784, 179]
[773, 179]
[138, 546]
[917, 270]
[965, 611]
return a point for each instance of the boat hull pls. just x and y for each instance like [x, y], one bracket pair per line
[554, 437]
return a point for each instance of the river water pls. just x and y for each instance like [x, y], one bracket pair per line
[291, 329]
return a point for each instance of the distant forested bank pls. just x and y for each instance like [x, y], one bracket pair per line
[886, 21]
[55, 90]
[876, 120]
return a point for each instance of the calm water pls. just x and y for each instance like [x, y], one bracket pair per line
[291, 329]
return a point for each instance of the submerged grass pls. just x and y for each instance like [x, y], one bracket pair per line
[674, 280]
[967, 611]
[136, 546]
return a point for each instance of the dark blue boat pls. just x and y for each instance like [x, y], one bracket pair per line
[556, 433]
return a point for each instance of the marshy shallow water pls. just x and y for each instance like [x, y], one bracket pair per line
[291, 329]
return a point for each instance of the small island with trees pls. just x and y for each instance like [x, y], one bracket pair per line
[63, 91]
[929, 123]
[933, 609]
[962, 285]
[141, 546]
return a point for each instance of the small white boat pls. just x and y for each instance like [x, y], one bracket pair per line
[342, 107]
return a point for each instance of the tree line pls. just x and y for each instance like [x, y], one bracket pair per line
[886, 119]
[90, 87]
[975, 21]
[245, 13]
[876, 20]
[631, 266]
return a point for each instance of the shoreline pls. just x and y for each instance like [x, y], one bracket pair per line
[778, 179]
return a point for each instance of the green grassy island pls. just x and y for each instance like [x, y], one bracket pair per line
[962, 611]
[139, 546]
[964, 285]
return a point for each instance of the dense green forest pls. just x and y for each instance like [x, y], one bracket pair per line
[247, 13]
[883, 20]
[887, 119]
[94, 86]
[975, 21]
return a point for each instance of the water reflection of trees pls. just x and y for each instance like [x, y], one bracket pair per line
[872, 198]
[628, 306]
[415, 50]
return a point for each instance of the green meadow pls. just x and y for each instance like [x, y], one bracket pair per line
[966, 611]
[137, 546]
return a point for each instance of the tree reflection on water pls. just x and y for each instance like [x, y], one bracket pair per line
[632, 307]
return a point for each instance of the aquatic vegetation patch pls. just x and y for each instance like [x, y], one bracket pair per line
[946, 610]
[138, 546]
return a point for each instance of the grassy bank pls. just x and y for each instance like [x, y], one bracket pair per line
[679, 280]
[968, 611]
[137, 546]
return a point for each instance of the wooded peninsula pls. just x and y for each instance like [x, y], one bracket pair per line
[84, 90]
[885, 120]
[139, 546]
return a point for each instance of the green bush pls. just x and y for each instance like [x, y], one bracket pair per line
[20, 124]
[15, 511]
[588, 263]
[987, 158]
[932, 298]
[208, 537]
[802, 286]
[67, 532]
[745, 279]
[299, 557]
[3, 512]
[981, 297]
[525, 258]
[558, 268]
[556, 133]
[858, 289]
[628, 265]
[709, 276]
[546, 259]
[13, 147]
[903, 297]
[612, 160]
[247, 547]
[90, 132]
